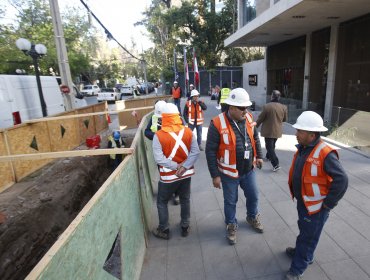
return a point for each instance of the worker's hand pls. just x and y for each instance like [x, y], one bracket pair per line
[259, 163]
[217, 182]
[180, 171]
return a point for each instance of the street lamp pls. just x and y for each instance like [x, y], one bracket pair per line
[36, 52]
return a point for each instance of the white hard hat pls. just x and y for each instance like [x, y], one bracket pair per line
[175, 82]
[194, 92]
[158, 108]
[238, 97]
[191, 85]
[170, 108]
[310, 121]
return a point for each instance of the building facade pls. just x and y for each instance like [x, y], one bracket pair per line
[317, 52]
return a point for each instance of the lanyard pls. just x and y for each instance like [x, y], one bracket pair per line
[244, 136]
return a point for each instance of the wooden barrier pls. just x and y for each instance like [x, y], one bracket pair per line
[61, 132]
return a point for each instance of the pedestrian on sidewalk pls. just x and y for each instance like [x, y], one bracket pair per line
[175, 151]
[193, 114]
[176, 93]
[233, 150]
[317, 181]
[272, 117]
[224, 94]
[191, 87]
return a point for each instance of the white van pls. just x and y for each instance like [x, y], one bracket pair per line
[20, 101]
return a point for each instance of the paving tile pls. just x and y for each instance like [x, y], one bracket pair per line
[287, 211]
[314, 272]
[210, 225]
[357, 198]
[256, 257]
[273, 192]
[185, 262]
[154, 266]
[328, 250]
[364, 263]
[205, 201]
[275, 276]
[271, 219]
[354, 244]
[344, 270]
[221, 261]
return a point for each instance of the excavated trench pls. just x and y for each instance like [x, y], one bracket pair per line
[35, 211]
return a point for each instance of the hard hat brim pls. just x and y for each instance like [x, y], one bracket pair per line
[158, 115]
[313, 129]
[238, 104]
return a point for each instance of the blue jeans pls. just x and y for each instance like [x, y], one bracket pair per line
[199, 132]
[165, 193]
[230, 189]
[270, 147]
[176, 101]
[310, 228]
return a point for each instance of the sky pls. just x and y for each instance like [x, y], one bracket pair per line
[118, 16]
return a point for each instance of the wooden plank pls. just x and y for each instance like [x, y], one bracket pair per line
[63, 154]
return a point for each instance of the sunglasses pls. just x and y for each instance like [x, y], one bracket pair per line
[241, 108]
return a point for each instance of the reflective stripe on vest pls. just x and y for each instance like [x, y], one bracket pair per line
[315, 181]
[168, 175]
[192, 110]
[114, 145]
[224, 94]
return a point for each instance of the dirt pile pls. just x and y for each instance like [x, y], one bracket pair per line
[34, 212]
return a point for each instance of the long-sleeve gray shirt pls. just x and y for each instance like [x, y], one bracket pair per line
[332, 167]
[162, 160]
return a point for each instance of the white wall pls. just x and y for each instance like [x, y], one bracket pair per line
[256, 93]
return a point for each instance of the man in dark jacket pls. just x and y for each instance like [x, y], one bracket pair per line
[318, 181]
[232, 150]
[272, 117]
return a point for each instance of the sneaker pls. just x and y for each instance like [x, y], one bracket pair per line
[231, 233]
[290, 251]
[176, 200]
[185, 231]
[292, 276]
[164, 234]
[276, 168]
[201, 148]
[256, 223]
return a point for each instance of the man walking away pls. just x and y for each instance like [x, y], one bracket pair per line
[175, 151]
[318, 181]
[193, 114]
[272, 117]
[233, 150]
[176, 93]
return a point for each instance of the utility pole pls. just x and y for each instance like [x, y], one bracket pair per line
[65, 71]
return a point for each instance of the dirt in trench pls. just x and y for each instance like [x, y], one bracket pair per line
[35, 211]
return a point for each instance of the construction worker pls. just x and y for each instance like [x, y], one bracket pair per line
[155, 122]
[176, 93]
[115, 141]
[193, 114]
[317, 181]
[224, 94]
[272, 117]
[175, 151]
[191, 87]
[233, 150]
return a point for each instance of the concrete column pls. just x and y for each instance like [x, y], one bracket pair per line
[307, 69]
[240, 13]
[333, 50]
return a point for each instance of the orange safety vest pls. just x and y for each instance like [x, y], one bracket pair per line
[226, 154]
[176, 147]
[315, 181]
[192, 110]
[176, 92]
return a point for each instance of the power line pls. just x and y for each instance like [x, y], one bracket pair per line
[109, 35]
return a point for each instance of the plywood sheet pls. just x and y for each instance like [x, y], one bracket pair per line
[131, 119]
[6, 173]
[86, 125]
[101, 122]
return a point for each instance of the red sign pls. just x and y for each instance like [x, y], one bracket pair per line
[65, 89]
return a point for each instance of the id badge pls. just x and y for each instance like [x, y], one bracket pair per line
[246, 154]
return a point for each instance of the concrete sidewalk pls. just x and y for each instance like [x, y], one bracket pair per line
[343, 251]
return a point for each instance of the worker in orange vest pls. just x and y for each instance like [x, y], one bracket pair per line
[318, 181]
[175, 151]
[176, 93]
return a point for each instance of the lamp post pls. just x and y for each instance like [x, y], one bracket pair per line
[36, 52]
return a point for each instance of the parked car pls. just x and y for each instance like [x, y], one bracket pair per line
[90, 90]
[109, 94]
[143, 86]
[129, 90]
